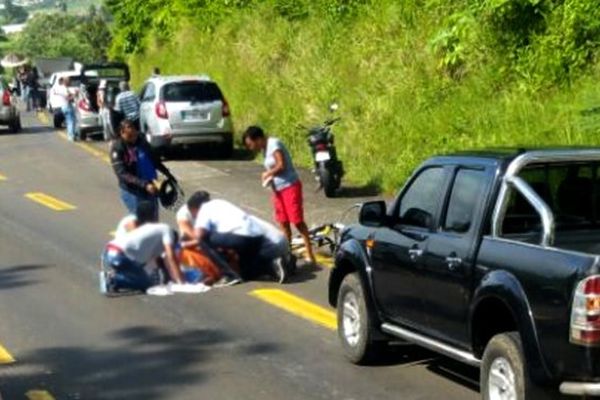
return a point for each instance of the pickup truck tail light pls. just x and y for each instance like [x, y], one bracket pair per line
[161, 110]
[585, 314]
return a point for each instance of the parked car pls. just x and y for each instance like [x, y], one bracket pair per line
[46, 66]
[185, 110]
[53, 102]
[490, 258]
[87, 113]
[9, 112]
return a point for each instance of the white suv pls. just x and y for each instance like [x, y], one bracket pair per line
[185, 110]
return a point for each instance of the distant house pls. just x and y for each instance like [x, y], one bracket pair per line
[15, 28]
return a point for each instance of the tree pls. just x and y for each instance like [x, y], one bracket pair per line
[14, 14]
[85, 38]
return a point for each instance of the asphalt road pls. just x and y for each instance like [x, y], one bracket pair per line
[69, 342]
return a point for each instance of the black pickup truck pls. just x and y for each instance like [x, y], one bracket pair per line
[491, 258]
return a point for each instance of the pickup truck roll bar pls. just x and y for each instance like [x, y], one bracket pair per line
[512, 180]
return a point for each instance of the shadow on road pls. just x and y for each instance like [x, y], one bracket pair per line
[27, 130]
[138, 363]
[404, 354]
[18, 276]
[205, 153]
[371, 189]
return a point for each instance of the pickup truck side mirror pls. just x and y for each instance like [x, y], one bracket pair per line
[373, 214]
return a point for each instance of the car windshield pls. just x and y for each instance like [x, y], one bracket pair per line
[191, 91]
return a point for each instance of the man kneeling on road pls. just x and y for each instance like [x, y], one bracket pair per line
[215, 269]
[140, 243]
[222, 225]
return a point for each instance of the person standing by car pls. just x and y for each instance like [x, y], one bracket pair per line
[64, 99]
[283, 178]
[135, 166]
[128, 104]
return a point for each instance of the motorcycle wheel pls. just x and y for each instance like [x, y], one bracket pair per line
[327, 180]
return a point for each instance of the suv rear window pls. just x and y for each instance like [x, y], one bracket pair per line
[192, 91]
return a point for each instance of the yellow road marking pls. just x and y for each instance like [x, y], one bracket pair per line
[3, 178]
[113, 233]
[38, 395]
[90, 149]
[43, 117]
[297, 306]
[50, 202]
[5, 356]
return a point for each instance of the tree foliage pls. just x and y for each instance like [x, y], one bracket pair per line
[13, 14]
[85, 38]
[538, 42]
[135, 20]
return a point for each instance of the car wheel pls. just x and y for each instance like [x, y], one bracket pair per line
[13, 126]
[57, 120]
[356, 329]
[503, 370]
[226, 148]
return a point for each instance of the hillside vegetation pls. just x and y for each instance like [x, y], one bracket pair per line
[412, 78]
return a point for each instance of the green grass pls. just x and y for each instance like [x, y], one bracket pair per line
[397, 109]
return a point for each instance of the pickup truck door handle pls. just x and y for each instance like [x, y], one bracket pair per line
[414, 253]
[453, 261]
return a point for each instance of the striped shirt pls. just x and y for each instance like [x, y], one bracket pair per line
[128, 103]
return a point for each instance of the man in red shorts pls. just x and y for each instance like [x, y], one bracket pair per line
[287, 188]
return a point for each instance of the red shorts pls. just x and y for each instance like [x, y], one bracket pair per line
[288, 204]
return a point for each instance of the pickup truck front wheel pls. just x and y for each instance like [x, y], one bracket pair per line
[355, 325]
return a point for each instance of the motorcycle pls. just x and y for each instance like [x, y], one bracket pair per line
[327, 167]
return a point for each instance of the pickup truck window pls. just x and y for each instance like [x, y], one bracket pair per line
[420, 201]
[467, 192]
[570, 192]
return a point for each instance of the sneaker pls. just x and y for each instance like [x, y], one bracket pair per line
[280, 271]
[189, 287]
[159, 290]
[226, 281]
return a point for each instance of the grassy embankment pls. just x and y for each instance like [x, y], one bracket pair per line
[397, 107]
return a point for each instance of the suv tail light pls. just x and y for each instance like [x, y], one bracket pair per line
[585, 313]
[161, 110]
[84, 105]
[226, 110]
[6, 97]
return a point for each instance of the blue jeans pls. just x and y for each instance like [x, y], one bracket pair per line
[130, 200]
[126, 273]
[69, 114]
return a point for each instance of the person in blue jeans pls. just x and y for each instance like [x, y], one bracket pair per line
[136, 166]
[66, 101]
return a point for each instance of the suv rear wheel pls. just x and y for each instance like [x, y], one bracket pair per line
[355, 324]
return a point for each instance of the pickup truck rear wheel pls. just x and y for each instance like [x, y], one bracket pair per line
[355, 325]
[503, 373]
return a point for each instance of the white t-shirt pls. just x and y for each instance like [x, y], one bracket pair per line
[184, 215]
[146, 242]
[122, 227]
[223, 217]
[60, 96]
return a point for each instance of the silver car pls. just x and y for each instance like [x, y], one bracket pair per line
[9, 112]
[185, 110]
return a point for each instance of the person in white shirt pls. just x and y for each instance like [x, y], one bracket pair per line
[139, 241]
[65, 100]
[260, 247]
